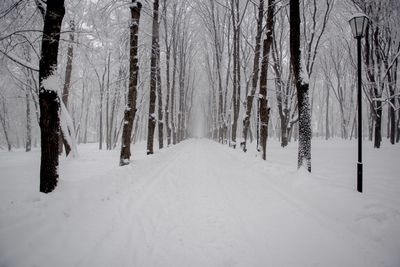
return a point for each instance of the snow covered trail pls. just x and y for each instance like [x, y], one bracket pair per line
[195, 204]
[213, 210]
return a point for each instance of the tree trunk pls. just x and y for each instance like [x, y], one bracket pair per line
[398, 124]
[28, 144]
[236, 69]
[48, 98]
[250, 96]
[327, 134]
[264, 110]
[305, 134]
[392, 105]
[378, 124]
[167, 73]
[174, 52]
[67, 83]
[181, 88]
[4, 123]
[108, 127]
[159, 98]
[370, 122]
[130, 110]
[153, 80]
[101, 120]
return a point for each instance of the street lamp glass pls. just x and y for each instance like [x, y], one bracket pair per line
[358, 24]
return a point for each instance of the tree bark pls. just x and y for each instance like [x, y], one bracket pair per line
[378, 124]
[67, 83]
[167, 73]
[153, 80]
[159, 98]
[305, 133]
[48, 99]
[174, 55]
[250, 96]
[28, 144]
[236, 69]
[264, 110]
[130, 110]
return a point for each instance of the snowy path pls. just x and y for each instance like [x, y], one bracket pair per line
[196, 204]
[207, 208]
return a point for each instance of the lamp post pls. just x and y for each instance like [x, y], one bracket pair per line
[358, 24]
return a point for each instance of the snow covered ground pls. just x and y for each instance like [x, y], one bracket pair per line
[200, 203]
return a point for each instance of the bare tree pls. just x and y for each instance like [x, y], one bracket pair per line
[130, 109]
[48, 97]
[284, 89]
[256, 69]
[305, 134]
[67, 83]
[236, 22]
[168, 41]
[153, 80]
[159, 100]
[264, 109]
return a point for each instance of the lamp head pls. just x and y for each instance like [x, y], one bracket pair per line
[358, 24]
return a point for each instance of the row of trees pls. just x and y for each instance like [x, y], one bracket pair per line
[310, 87]
[269, 39]
[129, 71]
[104, 78]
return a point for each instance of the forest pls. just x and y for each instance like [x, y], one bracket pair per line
[219, 69]
[124, 83]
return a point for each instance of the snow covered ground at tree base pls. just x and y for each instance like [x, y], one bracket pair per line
[200, 203]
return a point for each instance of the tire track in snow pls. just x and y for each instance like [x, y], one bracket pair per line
[131, 199]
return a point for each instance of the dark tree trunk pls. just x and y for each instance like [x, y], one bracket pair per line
[67, 83]
[256, 68]
[305, 134]
[159, 98]
[167, 74]
[236, 69]
[153, 81]
[392, 117]
[378, 89]
[378, 125]
[174, 67]
[284, 129]
[264, 110]
[28, 144]
[130, 111]
[392, 81]
[218, 57]
[48, 98]
[398, 124]
[181, 88]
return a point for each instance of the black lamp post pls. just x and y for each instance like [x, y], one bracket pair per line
[358, 24]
